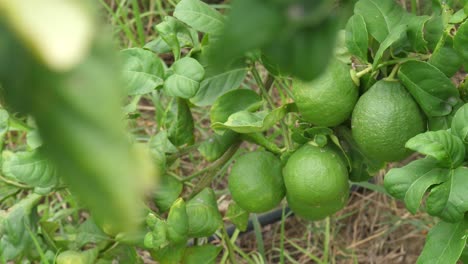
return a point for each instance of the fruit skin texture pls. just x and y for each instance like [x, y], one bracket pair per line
[384, 119]
[256, 182]
[316, 182]
[328, 100]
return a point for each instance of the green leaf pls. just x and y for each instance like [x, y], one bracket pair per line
[396, 34]
[445, 243]
[167, 192]
[411, 182]
[4, 125]
[201, 254]
[171, 254]
[185, 79]
[161, 143]
[433, 31]
[416, 34]
[33, 139]
[445, 58]
[72, 256]
[441, 145]
[460, 124]
[143, 71]
[460, 41]
[232, 102]
[15, 239]
[448, 200]
[363, 167]
[458, 17]
[31, 168]
[434, 92]
[200, 16]
[215, 146]
[238, 216]
[203, 214]
[176, 35]
[247, 122]
[177, 222]
[381, 16]
[213, 87]
[89, 232]
[464, 255]
[357, 37]
[160, 46]
[181, 126]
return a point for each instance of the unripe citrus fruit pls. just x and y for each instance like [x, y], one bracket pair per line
[256, 182]
[316, 181]
[384, 118]
[328, 100]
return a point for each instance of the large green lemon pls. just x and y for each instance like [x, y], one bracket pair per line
[328, 100]
[384, 118]
[316, 181]
[256, 182]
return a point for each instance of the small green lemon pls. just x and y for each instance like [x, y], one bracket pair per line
[384, 119]
[316, 181]
[328, 100]
[256, 182]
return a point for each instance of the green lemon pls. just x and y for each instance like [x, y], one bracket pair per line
[256, 182]
[384, 118]
[316, 181]
[329, 99]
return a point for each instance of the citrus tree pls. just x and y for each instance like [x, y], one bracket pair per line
[328, 91]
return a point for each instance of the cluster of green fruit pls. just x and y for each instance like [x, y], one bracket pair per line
[314, 178]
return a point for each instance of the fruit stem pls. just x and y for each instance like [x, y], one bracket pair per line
[364, 72]
[261, 140]
[265, 88]
[394, 71]
[232, 257]
[211, 171]
[327, 240]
